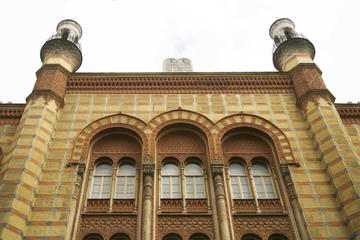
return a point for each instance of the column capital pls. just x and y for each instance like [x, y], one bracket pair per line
[148, 166]
[217, 166]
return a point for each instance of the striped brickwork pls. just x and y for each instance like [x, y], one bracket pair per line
[25, 158]
[339, 148]
[317, 196]
[40, 204]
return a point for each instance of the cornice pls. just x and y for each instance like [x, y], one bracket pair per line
[193, 82]
[10, 110]
[349, 110]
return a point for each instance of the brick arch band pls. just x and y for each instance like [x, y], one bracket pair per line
[83, 140]
[181, 116]
[149, 131]
[280, 141]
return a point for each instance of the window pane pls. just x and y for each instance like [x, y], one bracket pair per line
[106, 187]
[126, 169]
[103, 169]
[170, 169]
[199, 187]
[189, 187]
[259, 188]
[235, 188]
[165, 187]
[96, 187]
[237, 169]
[269, 188]
[245, 187]
[120, 187]
[193, 169]
[260, 169]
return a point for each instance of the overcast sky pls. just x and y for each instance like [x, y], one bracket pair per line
[217, 35]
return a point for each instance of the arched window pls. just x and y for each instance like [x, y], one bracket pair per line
[277, 237]
[250, 236]
[172, 236]
[263, 182]
[125, 181]
[239, 181]
[120, 236]
[65, 34]
[194, 181]
[170, 181]
[199, 236]
[101, 181]
[93, 236]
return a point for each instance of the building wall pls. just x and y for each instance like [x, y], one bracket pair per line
[53, 205]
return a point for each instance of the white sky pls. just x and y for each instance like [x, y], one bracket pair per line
[217, 35]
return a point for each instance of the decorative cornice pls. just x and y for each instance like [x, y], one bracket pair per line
[314, 92]
[45, 92]
[10, 110]
[268, 82]
[349, 112]
[53, 66]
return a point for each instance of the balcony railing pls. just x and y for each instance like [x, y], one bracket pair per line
[282, 38]
[69, 38]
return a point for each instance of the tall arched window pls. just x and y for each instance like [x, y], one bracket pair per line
[170, 181]
[263, 182]
[101, 181]
[250, 236]
[199, 236]
[125, 181]
[239, 181]
[93, 236]
[194, 181]
[278, 237]
[172, 236]
[120, 236]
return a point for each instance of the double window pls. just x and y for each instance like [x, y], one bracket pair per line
[241, 184]
[124, 181]
[171, 184]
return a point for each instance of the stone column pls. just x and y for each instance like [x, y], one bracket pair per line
[148, 171]
[217, 169]
[300, 222]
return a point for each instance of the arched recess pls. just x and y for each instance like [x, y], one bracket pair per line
[181, 116]
[83, 140]
[263, 126]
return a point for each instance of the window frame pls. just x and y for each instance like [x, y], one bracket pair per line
[117, 176]
[171, 177]
[262, 177]
[238, 178]
[102, 177]
[194, 182]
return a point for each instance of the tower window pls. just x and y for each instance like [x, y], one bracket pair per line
[65, 35]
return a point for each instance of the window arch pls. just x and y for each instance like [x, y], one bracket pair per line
[199, 236]
[239, 179]
[263, 181]
[170, 180]
[277, 236]
[172, 236]
[250, 236]
[194, 180]
[101, 181]
[93, 236]
[125, 181]
[120, 236]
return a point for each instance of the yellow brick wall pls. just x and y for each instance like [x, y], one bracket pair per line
[50, 208]
[317, 197]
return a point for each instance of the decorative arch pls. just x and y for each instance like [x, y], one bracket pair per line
[184, 117]
[280, 141]
[83, 140]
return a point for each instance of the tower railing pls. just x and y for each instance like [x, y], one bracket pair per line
[282, 38]
[69, 38]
